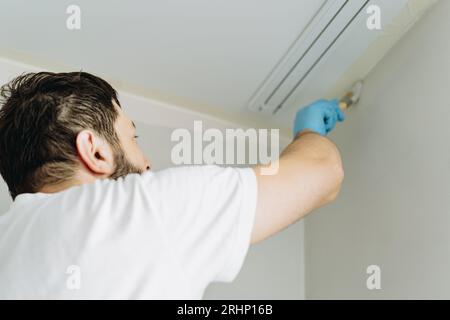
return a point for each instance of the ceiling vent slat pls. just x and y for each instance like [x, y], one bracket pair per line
[311, 47]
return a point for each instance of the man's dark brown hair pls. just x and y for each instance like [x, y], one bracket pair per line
[40, 117]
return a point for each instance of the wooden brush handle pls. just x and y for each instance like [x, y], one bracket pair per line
[343, 105]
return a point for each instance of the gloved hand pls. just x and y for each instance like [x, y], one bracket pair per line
[320, 116]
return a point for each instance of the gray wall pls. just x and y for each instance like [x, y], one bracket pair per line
[394, 209]
[5, 200]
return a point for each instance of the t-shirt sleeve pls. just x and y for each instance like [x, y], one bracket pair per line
[208, 214]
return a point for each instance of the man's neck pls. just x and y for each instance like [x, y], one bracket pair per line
[80, 178]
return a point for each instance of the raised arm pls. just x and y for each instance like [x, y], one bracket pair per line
[310, 172]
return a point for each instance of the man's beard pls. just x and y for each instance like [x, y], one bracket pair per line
[123, 166]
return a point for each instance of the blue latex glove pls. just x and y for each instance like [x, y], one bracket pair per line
[320, 116]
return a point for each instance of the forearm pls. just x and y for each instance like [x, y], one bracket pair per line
[309, 175]
[322, 158]
[308, 145]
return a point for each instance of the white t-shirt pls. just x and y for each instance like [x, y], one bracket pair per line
[159, 235]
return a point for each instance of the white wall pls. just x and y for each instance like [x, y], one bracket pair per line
[394, 209]
[273, 269]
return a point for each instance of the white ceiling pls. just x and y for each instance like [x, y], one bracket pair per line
[214, 53]
[208, 55]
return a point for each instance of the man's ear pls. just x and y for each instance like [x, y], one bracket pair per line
[95, 153]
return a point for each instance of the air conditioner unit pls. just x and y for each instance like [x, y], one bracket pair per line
[338, 28]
